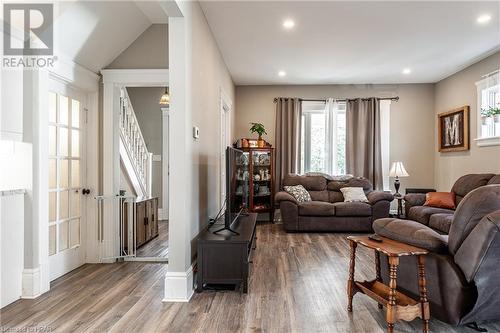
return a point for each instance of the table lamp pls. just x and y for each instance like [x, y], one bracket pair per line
[397, 170]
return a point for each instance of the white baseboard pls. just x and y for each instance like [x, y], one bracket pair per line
[162, 214]
[32, 283]
[179, 286]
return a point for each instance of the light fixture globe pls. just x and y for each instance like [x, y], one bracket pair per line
[165, 98]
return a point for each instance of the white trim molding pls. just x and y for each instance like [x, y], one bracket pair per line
[179, 286]
[136, 77]
[31, 283]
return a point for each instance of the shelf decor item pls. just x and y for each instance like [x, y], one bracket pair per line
[260, 130]
[453, 130]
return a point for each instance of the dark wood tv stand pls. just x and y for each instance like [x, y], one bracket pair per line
[225, 258]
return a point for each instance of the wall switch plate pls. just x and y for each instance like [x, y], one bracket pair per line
[196, 132]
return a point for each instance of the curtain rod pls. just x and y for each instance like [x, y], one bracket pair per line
[344, 99]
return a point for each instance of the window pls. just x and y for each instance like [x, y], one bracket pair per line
[488, 91]
[323, 137]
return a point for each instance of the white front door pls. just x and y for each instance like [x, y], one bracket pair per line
[67, 191]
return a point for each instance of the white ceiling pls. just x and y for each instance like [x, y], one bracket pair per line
[351, 42]
[94, 33]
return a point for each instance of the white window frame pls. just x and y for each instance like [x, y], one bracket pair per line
[491, 81]
[330, 110]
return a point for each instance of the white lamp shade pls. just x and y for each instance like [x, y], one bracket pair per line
[398, 170]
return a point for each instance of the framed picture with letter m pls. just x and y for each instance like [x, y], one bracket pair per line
[453, 130]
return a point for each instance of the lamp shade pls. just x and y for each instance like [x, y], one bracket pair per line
[165, 98]
[398, 170]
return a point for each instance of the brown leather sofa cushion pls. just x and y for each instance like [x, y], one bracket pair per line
[467, 183]
[310, 183]
[475, 205]
[441, 222]
[411, 232]
[494, 180]
[422, 214]
[319, 195]
[440, 200]
[353, 182]
[352, 209]
[316, 208]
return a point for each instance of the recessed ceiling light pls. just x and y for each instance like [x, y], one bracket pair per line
[281, 73]
[406, 71]
[288, 24]
[483, 19]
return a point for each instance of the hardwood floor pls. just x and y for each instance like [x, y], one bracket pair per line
[157, 247]
[297, 284]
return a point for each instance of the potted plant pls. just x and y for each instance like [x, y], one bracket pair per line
[495, 113]
[259, 129]
[485, 113]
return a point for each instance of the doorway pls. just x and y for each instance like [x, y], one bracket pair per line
[67, 177]
[151, 119]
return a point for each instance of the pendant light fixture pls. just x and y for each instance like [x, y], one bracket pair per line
[165, 98]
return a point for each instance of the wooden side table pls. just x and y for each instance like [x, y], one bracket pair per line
[398, 305]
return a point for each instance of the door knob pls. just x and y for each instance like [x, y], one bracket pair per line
[85, 191]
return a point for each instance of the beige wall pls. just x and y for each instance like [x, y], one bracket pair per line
[149, 115]
[412, 119]
[197, 76]
[456, 91]
[149, 50]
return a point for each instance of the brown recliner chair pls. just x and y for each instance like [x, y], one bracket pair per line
[463, 268]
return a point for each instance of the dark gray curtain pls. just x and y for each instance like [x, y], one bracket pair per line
[363, 149]
[287, 140]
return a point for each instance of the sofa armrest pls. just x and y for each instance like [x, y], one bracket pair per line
[480, 251]
[412, 233]
[284, 196]
[415, 199]
[376, 196]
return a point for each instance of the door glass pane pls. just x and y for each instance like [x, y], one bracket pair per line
[52, 206]
[63, 174]
[75, 113]
[52, 240]
[74, 232]
[63, 110]
[75, 173]
[63, 236]
[63, 141]
[52, 173]
[52, 141]
[63, 204]
[75, 203]
[52, 107]
[75, 143]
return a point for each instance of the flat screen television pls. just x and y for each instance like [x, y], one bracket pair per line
[237, 186]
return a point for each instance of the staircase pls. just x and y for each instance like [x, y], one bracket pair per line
[133, 151]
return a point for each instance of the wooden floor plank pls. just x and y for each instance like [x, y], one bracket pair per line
[297, 284]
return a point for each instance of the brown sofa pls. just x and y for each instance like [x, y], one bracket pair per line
[462, 268]
[440, 219]
[327, 211]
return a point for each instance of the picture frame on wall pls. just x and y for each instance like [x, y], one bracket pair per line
[453, 130]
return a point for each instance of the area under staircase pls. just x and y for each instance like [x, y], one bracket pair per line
[134, 154]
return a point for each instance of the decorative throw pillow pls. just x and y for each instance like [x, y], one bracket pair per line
[299, 193]
[353, 194]
[440, 200]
